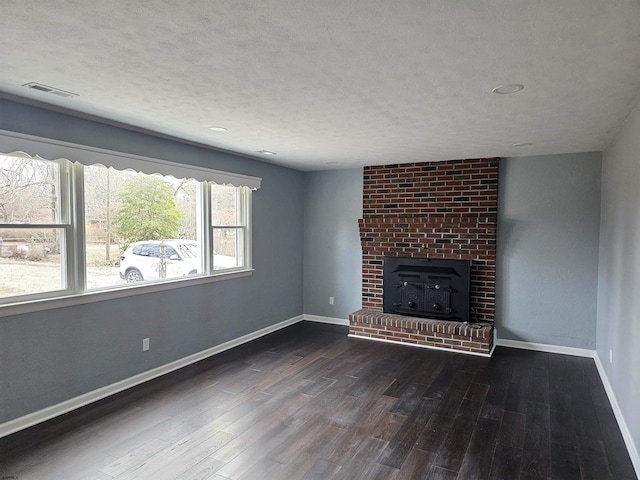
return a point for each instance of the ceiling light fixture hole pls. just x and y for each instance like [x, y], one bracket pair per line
[507, 89]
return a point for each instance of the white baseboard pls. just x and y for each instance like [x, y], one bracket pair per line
[53, 411]
[624, 429]
[543, 347]
[330, 320]
[581, 352]
[429, 347]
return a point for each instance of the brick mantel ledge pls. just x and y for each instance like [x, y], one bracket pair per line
[424, 332]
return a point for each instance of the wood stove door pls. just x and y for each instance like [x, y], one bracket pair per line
[412, 296]
[437, 299]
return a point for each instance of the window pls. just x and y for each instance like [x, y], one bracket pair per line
[94, 220]
[124, 212]
[229, 219]
[34, 229]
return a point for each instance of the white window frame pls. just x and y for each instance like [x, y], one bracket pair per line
[64, 222]
[72, 158]
[243, 202]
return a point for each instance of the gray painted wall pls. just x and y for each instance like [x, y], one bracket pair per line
[50, 356]
[332, 253]
[547, 262]
[619, 271]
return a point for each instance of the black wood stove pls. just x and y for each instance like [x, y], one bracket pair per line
[427, 287]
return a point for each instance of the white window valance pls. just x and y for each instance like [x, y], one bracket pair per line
[12, 143]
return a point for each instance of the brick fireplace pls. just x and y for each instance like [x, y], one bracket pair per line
[444, 210]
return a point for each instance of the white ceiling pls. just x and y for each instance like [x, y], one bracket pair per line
[337, 84]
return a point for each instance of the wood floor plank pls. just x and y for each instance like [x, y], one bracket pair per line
[455, 394]
[512, 430]
[309, 403]
[320, 469]
[262, 469]
[538, 387]
[94, 476]
[451, 453]
[377, 471]
[536, 449]
[371, 419]
[347, 411]
[506, 463]
[439, 473]
[272, 409]
[476, 464]
[344, 445]
[410, 399]
[561, 422]
[429, 365]
[440, 384]
[363, 457]
[494, 404]
[434, 433]
[203, 470]
[135, 457]
[362, 386]
[498, 377]
[234, 447]
[594, 383]
[375, 420]
[594, 463]
[388, 424]
[516, 400]
[477, 392]
[173, 461]
[584, 410]
[403, 374]
[417, 465]
[404, 440]
[17, 458]
[564, 462]
[619, 461]
[299, 439]
[65, 466]
[560, 381]
[306, 372]
[316, 387]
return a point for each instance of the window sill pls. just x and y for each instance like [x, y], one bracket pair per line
[10, 309]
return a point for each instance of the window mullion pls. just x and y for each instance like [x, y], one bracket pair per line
[76, 259]
[63, 217]
[246, 202]
[206, 230]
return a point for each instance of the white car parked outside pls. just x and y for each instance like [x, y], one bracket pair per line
[143, 260]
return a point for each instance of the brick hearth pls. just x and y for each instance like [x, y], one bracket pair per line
[441, 334]
[430, 210]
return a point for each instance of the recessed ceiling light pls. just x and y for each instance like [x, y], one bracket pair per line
[218, 129]
[506, 89]
[525, 144]
[266, 152]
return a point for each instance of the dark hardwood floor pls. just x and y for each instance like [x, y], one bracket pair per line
[308, 402]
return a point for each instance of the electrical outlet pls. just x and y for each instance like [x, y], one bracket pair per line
[330, 300]
[145, 344]
[610, 355]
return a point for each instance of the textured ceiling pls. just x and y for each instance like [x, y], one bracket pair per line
[337, 84]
